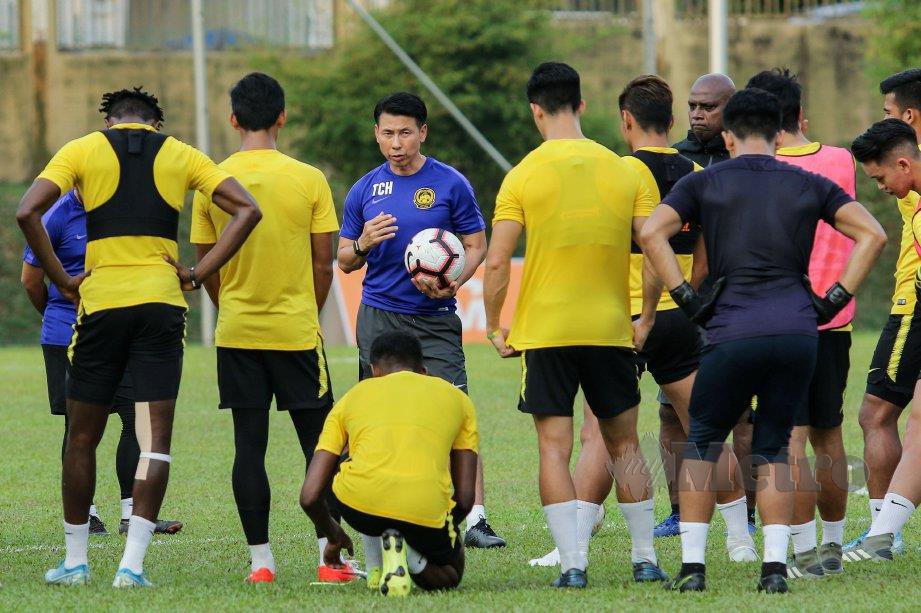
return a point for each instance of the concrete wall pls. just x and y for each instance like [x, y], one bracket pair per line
[39, 113]
[839, 101]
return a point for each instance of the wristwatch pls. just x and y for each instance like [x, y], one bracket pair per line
[358, 251]
[195, 282]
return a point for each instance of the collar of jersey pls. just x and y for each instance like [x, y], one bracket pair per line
[133, 126]
[797, 150]
[671, 150]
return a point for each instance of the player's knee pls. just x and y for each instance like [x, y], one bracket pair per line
[589, 433]
[876, 413]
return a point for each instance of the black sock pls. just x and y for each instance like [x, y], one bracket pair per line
[751, 515]
[692, 567]
[674, 508]
[773, 568]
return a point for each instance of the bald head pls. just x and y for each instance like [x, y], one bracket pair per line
[708, 96]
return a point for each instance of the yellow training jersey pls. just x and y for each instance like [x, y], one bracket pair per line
[576, 200]
[267, 298]
[128, 269]
[400, 430]
[682, 243]
[903, 299]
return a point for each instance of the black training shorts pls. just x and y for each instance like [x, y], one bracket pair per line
[550, 378]
[56, 368]
[897, 360]
[249, 378]
[672, 349]
[440, 336]
[147, 339]
[440, 546]
[826, 392]
[777, 369]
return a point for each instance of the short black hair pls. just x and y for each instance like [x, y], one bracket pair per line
[397, 347]
[134, 101]
[783, 84]
[649, 100]
[256, 101]
[402, 104]
[906, 86]
[752, 112]
[883, 138]
[554, 86]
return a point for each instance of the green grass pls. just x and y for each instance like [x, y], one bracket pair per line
[203, 567]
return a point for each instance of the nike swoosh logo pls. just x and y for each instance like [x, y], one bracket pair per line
[376, 200]
[898, 503]
[871, 370]
[79, 236]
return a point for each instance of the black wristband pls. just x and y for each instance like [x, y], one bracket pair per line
[195, 282]
[837, 296]
[359, 252]
[687, 299]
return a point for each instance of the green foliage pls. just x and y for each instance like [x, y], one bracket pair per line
[479, 52]
[894, 40]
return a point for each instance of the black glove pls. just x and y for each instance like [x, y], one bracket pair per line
[835, 299]
[687, 299]
[698, 309]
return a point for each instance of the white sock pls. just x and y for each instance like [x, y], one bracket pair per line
[875, 505]
[140, 531]
[803, 536]
[127, 507]
[477, 513]
[76, 538]
[261, 556]
[563, 521]
[832, 532]
[776, 538]
[735, 514]
[415, 560]
[321, 543]
[93, 511]
[693, 542]
[640, 518]
[895, 512]
[374, 554]
[586, 516]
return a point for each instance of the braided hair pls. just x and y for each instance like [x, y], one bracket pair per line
[134, 101]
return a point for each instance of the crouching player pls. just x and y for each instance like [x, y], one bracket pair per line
[411, 473]
[888, 152]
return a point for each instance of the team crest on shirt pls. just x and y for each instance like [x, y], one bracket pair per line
[424, 198]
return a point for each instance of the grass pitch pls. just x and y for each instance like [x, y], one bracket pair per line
[203, 567]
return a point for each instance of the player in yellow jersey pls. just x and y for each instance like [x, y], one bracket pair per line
[580, 205]
[133, 181]
[897, 359]
[270, 294]
[672, 347]
[410, 476]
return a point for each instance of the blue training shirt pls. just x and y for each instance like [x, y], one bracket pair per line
[437, 196]
[65, 222]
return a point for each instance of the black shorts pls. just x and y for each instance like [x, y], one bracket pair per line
[147, 339]
[440, 546]
[897, 360]
[440, 335]
[829, 381]
[56, 369]
[777, 369]
[550, 378]
[672, 350]
[248, 378]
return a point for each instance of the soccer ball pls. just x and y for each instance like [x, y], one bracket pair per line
[435, 254]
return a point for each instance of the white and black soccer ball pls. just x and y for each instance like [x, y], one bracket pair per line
[435, 254]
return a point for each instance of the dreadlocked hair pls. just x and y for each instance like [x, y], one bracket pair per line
[134, 101]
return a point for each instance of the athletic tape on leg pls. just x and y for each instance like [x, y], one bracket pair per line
[157, 456]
